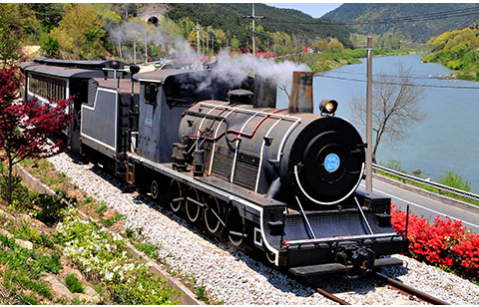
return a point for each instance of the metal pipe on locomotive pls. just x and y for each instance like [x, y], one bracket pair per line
[283, 181]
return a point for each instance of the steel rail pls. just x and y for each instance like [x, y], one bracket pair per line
[331, 296]
[431, 184]
[409, 290]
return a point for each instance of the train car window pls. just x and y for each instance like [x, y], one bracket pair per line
[181, 94]
[151, 93]
[47, 87]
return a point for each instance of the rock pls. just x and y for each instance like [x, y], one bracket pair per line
[59, 290]
[6, 214]
[25, 244]
[88, 299]
[401, 302]
[6, 233]
[90, 291]
[416, 172]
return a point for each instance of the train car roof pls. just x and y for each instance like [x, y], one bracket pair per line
[64, 72]
[95, 65]
[161, 75]
[123, 88]
[45, 60]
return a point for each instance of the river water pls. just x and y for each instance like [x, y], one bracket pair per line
[447, 139]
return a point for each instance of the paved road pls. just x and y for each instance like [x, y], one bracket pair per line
[423, 206]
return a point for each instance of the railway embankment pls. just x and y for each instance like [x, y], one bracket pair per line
[58, 285]
[224, 275]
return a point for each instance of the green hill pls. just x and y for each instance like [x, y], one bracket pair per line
[416, 22]
[229, 17]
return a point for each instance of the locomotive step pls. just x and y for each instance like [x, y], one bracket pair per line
[334, 268]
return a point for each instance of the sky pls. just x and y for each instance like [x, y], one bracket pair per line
[315, 10]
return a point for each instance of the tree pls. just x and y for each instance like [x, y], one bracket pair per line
[395, 106]
[81, 32]
[10, 33]
[26, 129]
[220, 37]
[335, 46]
[50, 45]
[320, 45]
[49, 14]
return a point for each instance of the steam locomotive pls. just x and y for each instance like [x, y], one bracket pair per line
[281, 181]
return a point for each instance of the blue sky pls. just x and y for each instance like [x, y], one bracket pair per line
[316, 10]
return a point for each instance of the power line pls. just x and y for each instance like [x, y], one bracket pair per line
[406, 84]
[388, 76]
[424, 17]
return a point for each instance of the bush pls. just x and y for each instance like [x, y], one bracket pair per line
[453, 180]
[73, 284]
[446, 243]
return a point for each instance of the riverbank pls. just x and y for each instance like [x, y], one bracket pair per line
[320, 62]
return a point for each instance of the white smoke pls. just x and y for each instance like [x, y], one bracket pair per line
[230, 69]
[135, 31]
[234, 69]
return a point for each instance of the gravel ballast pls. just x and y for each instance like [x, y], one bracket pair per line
[231, 277]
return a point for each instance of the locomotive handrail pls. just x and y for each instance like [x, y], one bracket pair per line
[248, 111]
[339, 239]
[428, 183]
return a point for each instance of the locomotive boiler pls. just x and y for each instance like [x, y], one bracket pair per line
[281, 181]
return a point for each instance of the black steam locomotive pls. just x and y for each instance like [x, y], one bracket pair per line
[283, 181]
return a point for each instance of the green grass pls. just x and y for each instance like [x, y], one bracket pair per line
[149, 249]
[201, 294]
[73, 284]
[109, 222]
[24, 267]
[101, 208]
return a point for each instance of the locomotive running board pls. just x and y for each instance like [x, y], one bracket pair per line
[334, 268]
[339, 239]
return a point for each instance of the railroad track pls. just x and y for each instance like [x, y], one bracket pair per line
[391, 283]
[409, 290]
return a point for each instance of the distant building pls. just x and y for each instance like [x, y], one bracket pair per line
[308, 49]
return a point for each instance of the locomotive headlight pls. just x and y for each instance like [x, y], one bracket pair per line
[328, 106]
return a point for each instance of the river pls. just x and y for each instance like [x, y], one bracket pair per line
[447, 139]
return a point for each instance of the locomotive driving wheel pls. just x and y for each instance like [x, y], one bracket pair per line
[154, 190]
[193, 205]
[236, 226]
[176, 196]
[213, 219]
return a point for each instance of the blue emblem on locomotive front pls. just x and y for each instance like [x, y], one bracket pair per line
[331, 162]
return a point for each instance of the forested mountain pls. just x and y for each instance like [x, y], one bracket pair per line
[229, 17]
[424, 20]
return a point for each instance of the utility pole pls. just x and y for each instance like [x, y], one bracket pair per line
[369, 118]
[253, 18]
[198, 38]
[134, 51]
[146, 48]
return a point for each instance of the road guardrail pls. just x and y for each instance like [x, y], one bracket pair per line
[440, 187]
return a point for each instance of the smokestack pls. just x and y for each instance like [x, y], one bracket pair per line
[301, 99]
[265, 89]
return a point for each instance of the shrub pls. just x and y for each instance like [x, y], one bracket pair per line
[446, 243]
[73, 284]
[453, 180]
